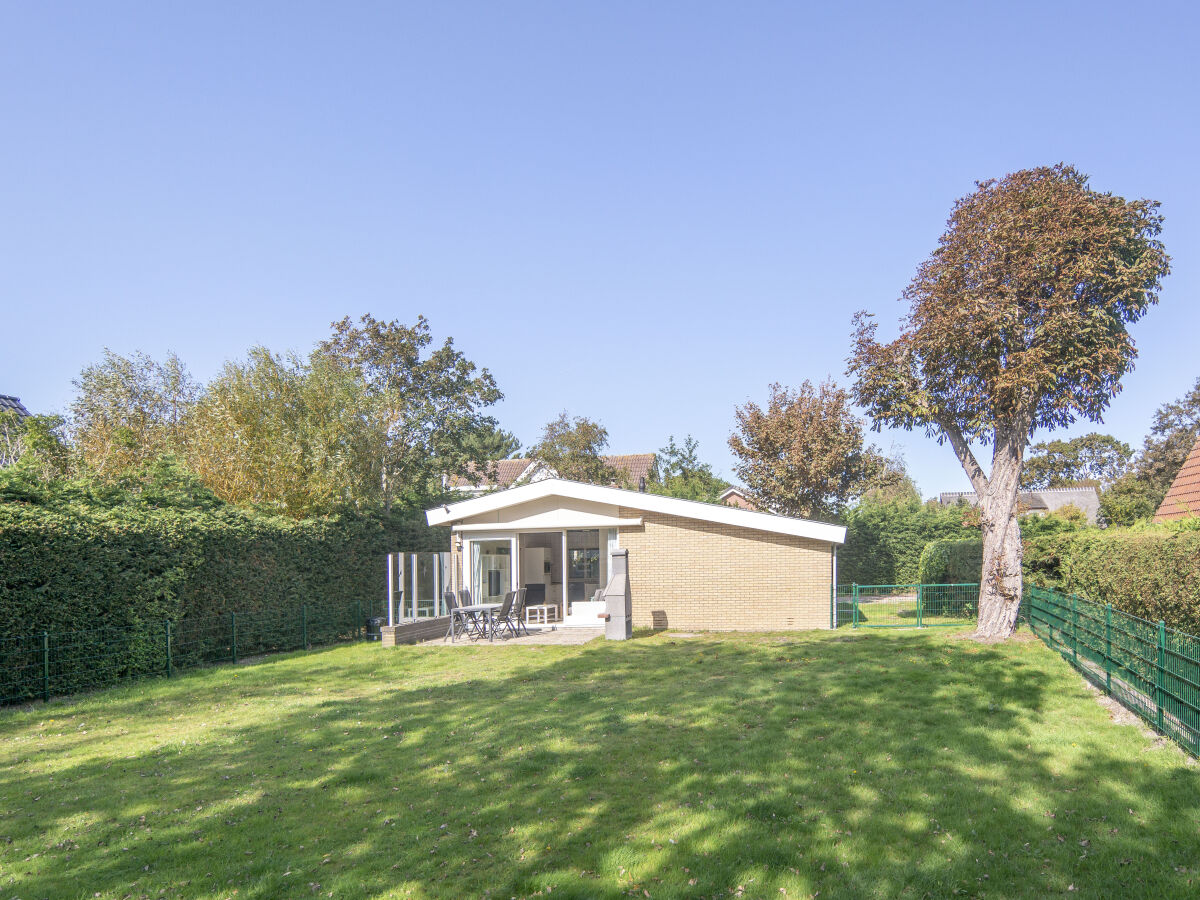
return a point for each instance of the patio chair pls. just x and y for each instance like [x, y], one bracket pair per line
[513, 621]
[459, 621]
[499, 618]
[516, 615]
[475, 622]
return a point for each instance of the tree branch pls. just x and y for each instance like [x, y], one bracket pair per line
[970, 464]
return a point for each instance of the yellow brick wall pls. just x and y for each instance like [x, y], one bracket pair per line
[689, 574]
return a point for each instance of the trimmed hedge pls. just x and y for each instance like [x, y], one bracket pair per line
[884, 541]
[103, 580]
[951, 562]
[1152, 573]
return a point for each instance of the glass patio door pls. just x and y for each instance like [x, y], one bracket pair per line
[491, 570]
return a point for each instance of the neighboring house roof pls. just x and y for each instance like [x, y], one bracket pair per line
[621, 497]
[7, 401]
[736, 496]
[1086, 498]
[1183, 497]
[632, 466]
[507, 471]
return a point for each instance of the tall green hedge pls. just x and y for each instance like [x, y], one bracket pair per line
[951, 562]
[1152, 572]
[103, 581]
[884, 540]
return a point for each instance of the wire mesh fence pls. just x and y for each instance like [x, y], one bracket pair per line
[1152, 670]
[905, 605]
[49, 664]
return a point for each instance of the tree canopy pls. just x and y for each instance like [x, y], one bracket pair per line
[804, 454]
[1018, 320]
[679, 472]
[1097, 458]
[574, 448]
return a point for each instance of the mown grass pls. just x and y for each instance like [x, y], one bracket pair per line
[894, 764]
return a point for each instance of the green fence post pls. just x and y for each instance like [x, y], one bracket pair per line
[1108, 648]
[1074, 630]
[920, 602]
[304, 622]
[167, 643]
[233, 635]
[854, 601]
[46, 666]
[1158, 674]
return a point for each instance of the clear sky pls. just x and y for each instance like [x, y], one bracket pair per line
[640, 212]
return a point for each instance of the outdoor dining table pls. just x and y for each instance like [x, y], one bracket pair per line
[484, 610]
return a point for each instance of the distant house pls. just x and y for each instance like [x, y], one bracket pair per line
[1040, 502]
[8, 402]
[9, 445]
[1183, 498]
[633, 469]
[735, 496]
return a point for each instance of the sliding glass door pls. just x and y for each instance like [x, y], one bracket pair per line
[491, 570]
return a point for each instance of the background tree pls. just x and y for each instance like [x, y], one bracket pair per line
[286, 434]
[422, 408]
[679, 472]
[33, 446]
[129, 411]
[574, 448]
[1099, 458]
[1018, 320]
[492, 442]
[1140, 491]
[804, 454]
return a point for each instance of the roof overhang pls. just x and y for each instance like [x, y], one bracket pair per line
[670, 506]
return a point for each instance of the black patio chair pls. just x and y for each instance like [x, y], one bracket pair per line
[498, 618]
[459, 621]
[476, 623]
[516, 616]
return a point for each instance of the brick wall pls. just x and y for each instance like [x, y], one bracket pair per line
[689, 574]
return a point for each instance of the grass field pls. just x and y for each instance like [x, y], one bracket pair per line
[888, 764]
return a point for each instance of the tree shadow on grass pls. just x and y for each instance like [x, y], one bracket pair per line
[893, 766]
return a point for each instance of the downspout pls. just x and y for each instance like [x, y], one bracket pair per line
[833, 592]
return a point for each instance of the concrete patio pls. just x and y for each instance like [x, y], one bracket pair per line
[560, 636]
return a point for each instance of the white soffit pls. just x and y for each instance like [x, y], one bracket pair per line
[670, 506]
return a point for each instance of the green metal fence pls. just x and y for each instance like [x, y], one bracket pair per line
[48, 664]
[1152, 670]
[905, 605]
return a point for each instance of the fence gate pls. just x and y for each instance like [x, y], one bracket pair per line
[912, 605]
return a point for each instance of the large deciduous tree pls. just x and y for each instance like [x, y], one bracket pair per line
[1017, 321]
[1098, 458]
[286, 434]
[130, 410]
[803, 455]
[574, 449]
[425, 408]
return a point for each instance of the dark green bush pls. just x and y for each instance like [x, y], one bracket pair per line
[951, 562]
[884, 540]
[103, 580]
[1151, 572]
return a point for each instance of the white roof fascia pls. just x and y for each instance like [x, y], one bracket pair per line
[671, 506]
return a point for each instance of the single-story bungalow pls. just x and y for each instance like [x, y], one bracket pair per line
[691, 565]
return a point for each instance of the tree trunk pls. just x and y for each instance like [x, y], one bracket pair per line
[1000, 586]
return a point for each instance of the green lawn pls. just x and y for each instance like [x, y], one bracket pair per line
[889, 764]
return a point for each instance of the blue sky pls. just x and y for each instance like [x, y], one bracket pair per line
[640, 212]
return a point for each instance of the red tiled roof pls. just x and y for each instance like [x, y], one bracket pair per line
[1183, 499]
[507, 471]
